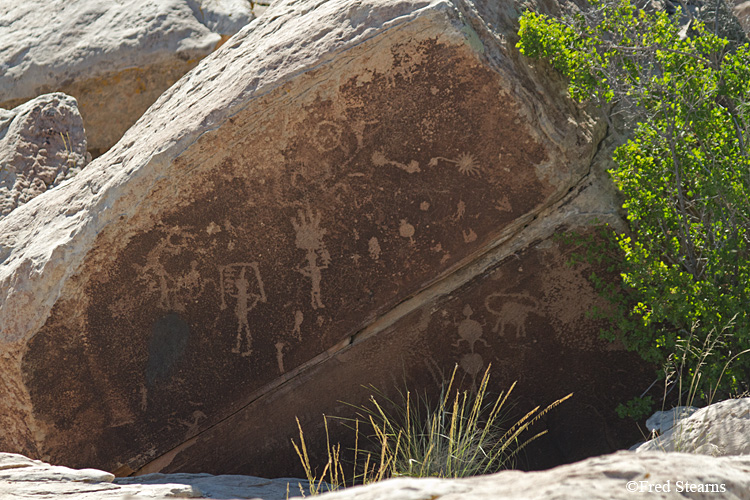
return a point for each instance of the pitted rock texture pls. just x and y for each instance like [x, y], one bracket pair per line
[21, 477]
[42, 143]
[116, 58]
[324, 181]
[719, 429]
[621, 476]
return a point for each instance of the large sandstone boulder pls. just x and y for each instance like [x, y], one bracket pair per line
[21, 477]
[350, 192]
[116, 58]
[719, 429]
[621, 476]
[42, 143]
[612, 477]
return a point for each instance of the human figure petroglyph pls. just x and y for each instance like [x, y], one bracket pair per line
[406, 230]
[310, 238]
[460, 211]
[298, 319]
[373, 247]
[177, 288]
[511, 310]
[236, 283]
[465, 162]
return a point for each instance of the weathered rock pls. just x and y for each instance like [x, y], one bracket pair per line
[116, 58]
[719, 429]
[662, 421]
[351, 192]
[21, 477]
[742, 12]
[623, 475]
[42, 143]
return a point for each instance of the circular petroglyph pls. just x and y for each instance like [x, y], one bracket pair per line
[327, 136]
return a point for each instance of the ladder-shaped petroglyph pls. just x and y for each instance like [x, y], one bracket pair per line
[511, 311]
[379, 160]
[241, 281]
[465, 162]
[174, 289]
[471, 332]
[310, 239]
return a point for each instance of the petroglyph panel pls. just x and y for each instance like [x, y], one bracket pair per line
[548, 360]
[373, 179]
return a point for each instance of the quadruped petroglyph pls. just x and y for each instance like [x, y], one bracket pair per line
[310, 239]
[242, 282]
[511, 310]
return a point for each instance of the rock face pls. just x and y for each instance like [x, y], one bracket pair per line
[742, 12]
[21, 477]
[42, 143]
[623, 475]
[350, 192]
[116, 58]
[719, 429]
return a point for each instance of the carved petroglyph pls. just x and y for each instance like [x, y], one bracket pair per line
[511, 310]
[406, 230]
[310, 239]
[460, 211]
[503, 205]
[327, 136]
[424, 206]
[193, 426]
[298, 319]
[470, 331]
[175, 289]
[373, 247]
[280, 356]
[469, 235]
[379, 160]
[242, 282]
[465, 162]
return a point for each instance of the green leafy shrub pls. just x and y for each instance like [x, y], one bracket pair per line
[684, 172]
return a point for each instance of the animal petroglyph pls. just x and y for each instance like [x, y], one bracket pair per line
[242, 282]
[511, 310]
[379, 160]
[503, 205]
[466, 163]
[177, 288]
[310, 239]
[373, 246]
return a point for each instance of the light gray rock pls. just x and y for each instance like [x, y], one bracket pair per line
[742, 12]
[719, 429]
[116, 58]
[620, 476]
[21, 477]
[42, 143]
[662, 421]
